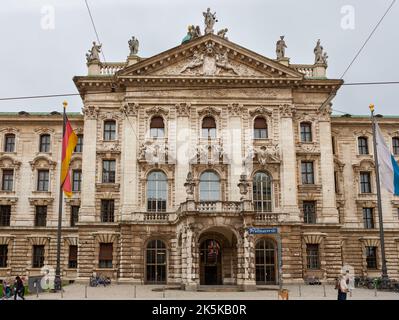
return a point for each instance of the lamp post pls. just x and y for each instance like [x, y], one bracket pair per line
[384, 271]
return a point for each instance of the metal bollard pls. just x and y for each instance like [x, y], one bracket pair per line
[86, 292]
[62, 293]
[300, 293]
[37, 290]
[350, 293]
[135, 292]
[163, 293]
[324, 290]
[375, 290]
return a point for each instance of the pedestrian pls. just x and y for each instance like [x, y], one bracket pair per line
[19, 288]
[342, 286]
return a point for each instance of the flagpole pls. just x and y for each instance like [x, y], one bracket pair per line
[57, 280]
[384, 271]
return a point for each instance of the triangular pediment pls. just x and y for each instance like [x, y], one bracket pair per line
[210, 56]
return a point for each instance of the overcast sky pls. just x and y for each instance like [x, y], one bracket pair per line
[37, 61]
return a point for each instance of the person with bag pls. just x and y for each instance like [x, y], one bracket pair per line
[19, 289]
[342, 287]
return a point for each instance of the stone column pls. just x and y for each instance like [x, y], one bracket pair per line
[329, 206]
[289, 165]
[129, 161]
[190, 275]
[182, 149]
[87, 212]
[234, 149]
[247, 262]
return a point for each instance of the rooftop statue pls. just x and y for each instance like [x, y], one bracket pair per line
[222, 33]
[320, 56]
[280, 48]
[93, 54]
[134, 46]
[192, 33]
[210, 19]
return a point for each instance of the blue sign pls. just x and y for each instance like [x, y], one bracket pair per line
[262, 230]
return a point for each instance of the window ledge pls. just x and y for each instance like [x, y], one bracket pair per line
[106, 185]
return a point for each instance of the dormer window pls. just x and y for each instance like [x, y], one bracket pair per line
[157, 127]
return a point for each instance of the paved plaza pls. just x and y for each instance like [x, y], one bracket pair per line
[154, 292]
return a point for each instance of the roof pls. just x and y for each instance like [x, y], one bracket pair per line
[40, 114]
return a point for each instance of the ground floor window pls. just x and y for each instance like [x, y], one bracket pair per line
[371, 257]
[312, 256]
[265, 261]
[38, 256]
[3, 255]
[105, 255]
[73, 257]
[156, 262]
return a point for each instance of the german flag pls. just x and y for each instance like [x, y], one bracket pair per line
[69, 142]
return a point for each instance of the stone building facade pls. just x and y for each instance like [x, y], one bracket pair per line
[185, 160]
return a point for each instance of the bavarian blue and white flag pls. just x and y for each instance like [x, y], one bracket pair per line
[389, 168]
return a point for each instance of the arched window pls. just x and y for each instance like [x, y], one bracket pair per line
[109, 130]
[260, 128]
[208, 127]
[363, 145]
[44, 143]
[157, 127]
[265, 262]
[306, 132]
[157, 190]
[156, 262]
[9, 142]
[262, 192]
[209, 186]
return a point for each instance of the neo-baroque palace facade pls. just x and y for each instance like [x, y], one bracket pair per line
[183, 159]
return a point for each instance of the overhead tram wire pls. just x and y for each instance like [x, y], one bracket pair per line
[183, 88]
[333, 94]
[95, 29]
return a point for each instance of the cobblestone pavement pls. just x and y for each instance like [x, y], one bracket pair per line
[127, 292]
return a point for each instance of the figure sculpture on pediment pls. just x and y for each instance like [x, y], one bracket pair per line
[222, 61]
[134, 46]
[196, 61]
[94, 53]
[320, 56]
[210, 19]
[222, 33]
[280, 48]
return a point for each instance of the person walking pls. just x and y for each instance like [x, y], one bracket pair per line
[19, 288]
[342, 287]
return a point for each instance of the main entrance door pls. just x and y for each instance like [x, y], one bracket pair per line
[210, 262]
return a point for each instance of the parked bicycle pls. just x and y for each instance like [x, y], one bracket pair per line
[99, 280]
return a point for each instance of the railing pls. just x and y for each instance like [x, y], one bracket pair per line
[218, 206]
[207, 206]
[307, 70]
[110, 68]
[266, 217]
[155, 216]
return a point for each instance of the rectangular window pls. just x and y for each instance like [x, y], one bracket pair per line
[368, 218]
[44, 143]
[40, 216]
[43, 178]
[74, 215]
[109, 130]
[76, 180]
[38, 256]
[109, 171]
[363, 145]
[371, 257]
[105, 255]
[306, 132]
[365, 182]
[7, 180]
[79, 144]
[5, 215]
[307, 172]
[395, 146]
[9, 143]
[107, 210]
[309, 211]
[3, 255]
[312, 256]
[73, 257]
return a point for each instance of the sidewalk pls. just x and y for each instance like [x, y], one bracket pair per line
[127, 292]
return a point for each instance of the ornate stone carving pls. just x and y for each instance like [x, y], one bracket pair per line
[261, 111]
[286, 110]
[209, 111]
[90, 112]
[8, 162]
[43, 130]
[93, 55]
[243, 185]
[183, 109]
[325, 113]
[42, 162]
[157, 110]
[189, 185]
[130, 109]
[280, 48]
[40, 201]
[267, 154]
[308, 148]
[235, 109]
[109, 147]
[222, 33]
[133, 46]
[154, 152]
[209, 20]
[320, 56]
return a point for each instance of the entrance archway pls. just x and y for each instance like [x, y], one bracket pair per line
[217, 257]
[265, 261]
